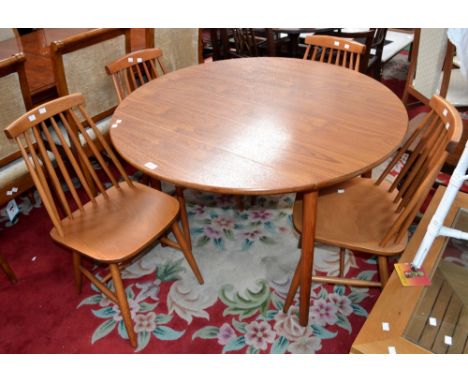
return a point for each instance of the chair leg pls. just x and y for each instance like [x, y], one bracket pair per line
[123, 303]
[77, 271]
[239, 202]
[293, 287]
[342, 261]
[184, 216]
[383, 270]
[187, 252]
[155, 183]
[7, 269]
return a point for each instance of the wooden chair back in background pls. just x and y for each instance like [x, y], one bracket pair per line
[79, 66]
[334, 50]
[135, 69]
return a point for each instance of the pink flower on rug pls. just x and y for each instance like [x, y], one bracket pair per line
[223, 222]
[308, 345]
[287, 325]
[198, 209]
[134, 307]
[226, 333]
[260, 215]
[259, 335]
[342, 303]
[252, 235]
[105, 301]
[145, 322]
[323, 313]
[212, 233]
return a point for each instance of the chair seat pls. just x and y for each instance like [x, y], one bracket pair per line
[356, 219]
[117, 228]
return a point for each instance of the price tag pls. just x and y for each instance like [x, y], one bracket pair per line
[12, 210]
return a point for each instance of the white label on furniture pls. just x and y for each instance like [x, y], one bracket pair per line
[14, 189]
[151, 165]
[32, 118]
[42, 110]
[337, 43]
[139, 60]
[448, 340]
[118, 121]
[392, 350]
[432, 321]
[130, 59]
[445, 112]
[346, 46]
[447, 125]
[385, 326]
[9, 193]
[341, 190]
[114, 125]
[12, 210]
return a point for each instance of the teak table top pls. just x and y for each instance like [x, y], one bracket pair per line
[263, 125]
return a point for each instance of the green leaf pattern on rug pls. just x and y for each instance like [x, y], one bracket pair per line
[246, 306]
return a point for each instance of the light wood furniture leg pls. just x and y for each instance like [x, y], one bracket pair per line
[383, 269]
[123, 303]
[187, 252]
[342, 261]
[77, 271]
[184, 216]
[309, 211]
[293, 288]
[7, 269]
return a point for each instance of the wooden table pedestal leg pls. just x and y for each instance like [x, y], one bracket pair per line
[183, 215]
[309, 214]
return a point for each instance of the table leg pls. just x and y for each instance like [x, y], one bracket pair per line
[309, 214]
[183, 215]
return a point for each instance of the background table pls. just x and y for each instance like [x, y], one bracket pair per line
[263, 125]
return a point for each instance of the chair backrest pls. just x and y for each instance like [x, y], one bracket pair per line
[79, 66]
[437, 134]
[242, 42]
[334, 50]
[180, 46]
[365, 36]
[15, 100]
[34, 125]
[135, 69]
[430, 65]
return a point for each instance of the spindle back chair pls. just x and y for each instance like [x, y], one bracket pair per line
[334, 50]
[373, 216]
[110, 227]
[135, 69]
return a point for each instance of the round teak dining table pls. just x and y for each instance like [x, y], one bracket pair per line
[260, 126]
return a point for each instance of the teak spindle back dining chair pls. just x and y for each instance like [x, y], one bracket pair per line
[135, 69]
[334, 50]
[374, 216]
[111, 227]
